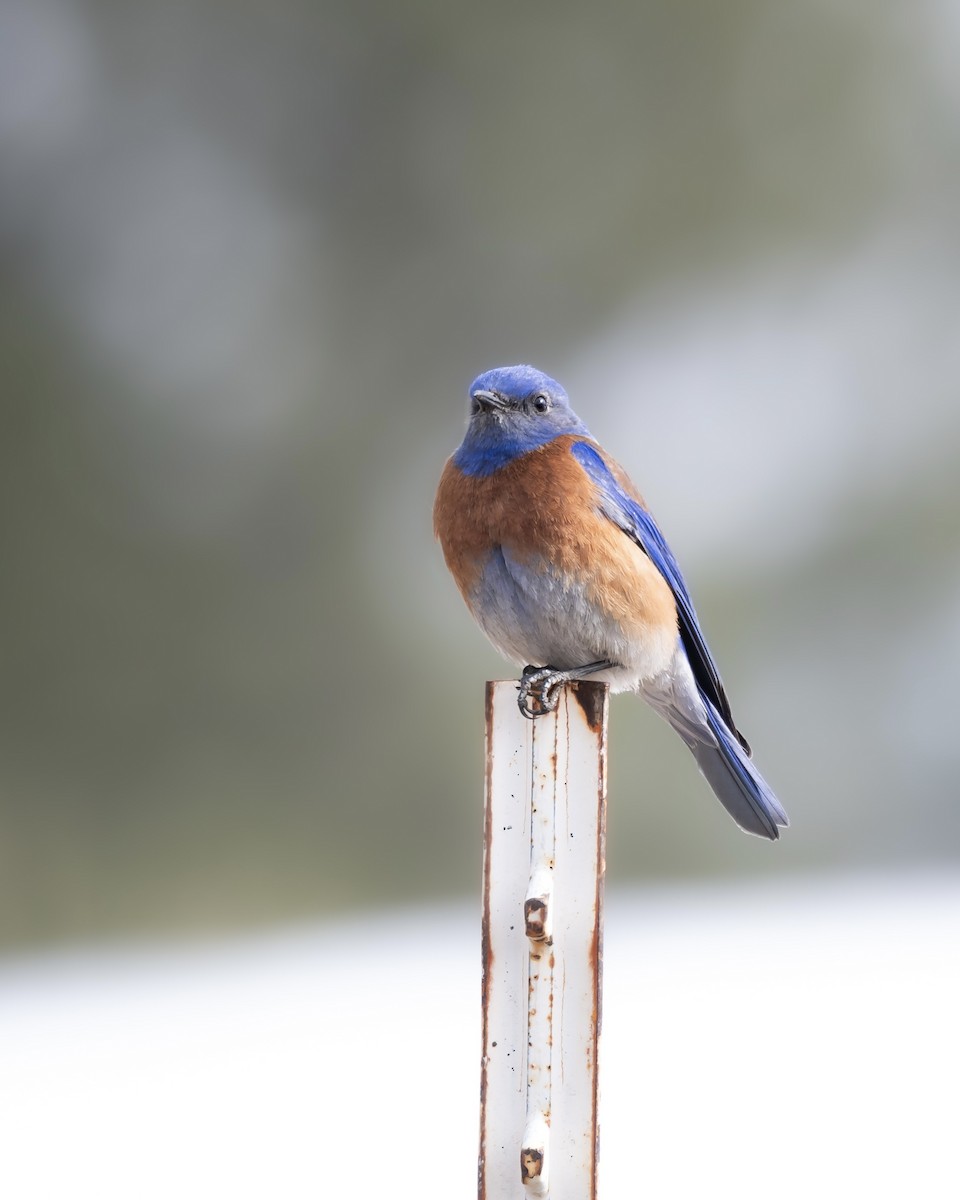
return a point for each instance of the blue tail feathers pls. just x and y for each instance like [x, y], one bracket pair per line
[738, 784]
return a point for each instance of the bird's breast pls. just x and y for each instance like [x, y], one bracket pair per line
[539, 564]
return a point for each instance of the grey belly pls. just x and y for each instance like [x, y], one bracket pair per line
[532, 615]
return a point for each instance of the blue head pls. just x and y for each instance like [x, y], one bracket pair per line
[513, 410]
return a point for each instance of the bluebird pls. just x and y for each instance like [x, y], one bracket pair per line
[564, 569]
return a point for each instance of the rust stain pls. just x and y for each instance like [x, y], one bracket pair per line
[592, 698]
[531, 1163]
[596, 954]
[486, 949]
[535, 919]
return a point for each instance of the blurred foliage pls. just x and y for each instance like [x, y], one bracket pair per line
[252, 256]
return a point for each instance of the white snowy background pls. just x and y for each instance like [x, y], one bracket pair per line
[757, 1040]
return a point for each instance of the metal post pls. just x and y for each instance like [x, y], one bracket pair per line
[543, 866]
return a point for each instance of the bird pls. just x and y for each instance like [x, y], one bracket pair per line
[565, 570]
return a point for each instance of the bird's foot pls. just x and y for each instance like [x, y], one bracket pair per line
[539, 688]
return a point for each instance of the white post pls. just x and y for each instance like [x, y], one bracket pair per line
[543, 867]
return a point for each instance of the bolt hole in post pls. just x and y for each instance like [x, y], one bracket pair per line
[545, 823]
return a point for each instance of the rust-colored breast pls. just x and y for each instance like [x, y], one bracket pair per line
[544, 507]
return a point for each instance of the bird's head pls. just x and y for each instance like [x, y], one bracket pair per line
[513, 410]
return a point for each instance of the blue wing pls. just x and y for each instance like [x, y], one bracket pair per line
[640, 526]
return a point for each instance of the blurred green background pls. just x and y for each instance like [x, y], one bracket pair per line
[253, 255]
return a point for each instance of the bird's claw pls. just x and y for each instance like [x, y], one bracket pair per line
[539, 690]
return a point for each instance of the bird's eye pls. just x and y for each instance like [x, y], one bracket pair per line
[541, 403]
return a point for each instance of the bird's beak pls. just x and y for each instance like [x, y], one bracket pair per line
[489, 401]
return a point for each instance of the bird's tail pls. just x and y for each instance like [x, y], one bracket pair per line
[738, 785]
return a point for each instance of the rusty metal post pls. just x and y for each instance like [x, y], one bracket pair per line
[543, 867]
